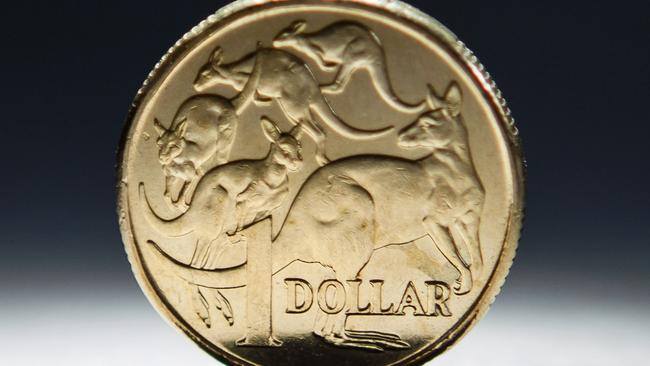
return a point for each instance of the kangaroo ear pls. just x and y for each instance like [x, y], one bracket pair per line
[271, 131]
[225, 129]
[216, 58]
[434, 101]
[181, 128]
[453, 99]
[431, 119]
[298, 26]
[296, 132]
[160, 129]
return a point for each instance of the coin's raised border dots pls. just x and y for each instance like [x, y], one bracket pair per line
[515, 219]
[496, 93]
[492, 92]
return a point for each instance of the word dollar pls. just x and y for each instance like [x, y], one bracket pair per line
[332, 298]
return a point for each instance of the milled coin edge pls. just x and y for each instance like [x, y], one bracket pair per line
[493, 95]
[392, 9]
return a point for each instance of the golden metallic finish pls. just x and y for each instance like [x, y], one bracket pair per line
[320, 182]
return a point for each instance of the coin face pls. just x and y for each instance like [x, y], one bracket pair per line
[320, 182]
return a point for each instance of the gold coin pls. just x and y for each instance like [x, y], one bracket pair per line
[320, 182]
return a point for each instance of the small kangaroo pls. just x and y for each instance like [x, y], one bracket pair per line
[235, 195]
[270, 74]
[345, 47]
[203, 128]
[348, 209]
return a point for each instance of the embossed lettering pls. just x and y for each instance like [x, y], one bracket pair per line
[376, 303]
[296, 303]
[331, 296]
[437, 295]
[344, 208]
[410, 299]
[354, 299]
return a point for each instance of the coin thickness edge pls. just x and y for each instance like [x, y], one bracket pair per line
[340, 178]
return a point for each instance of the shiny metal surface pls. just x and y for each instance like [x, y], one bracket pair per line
[320, 182]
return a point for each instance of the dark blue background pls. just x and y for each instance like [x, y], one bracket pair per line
[576, 75]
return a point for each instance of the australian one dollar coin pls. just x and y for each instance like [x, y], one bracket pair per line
[320, 183]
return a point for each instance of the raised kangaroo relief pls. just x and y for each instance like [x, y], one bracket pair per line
[235, 195]
[344, 48]
[202, 131]
[251, 189]
[343, 213]
[269, 75]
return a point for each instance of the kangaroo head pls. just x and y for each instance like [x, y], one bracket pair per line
[438, 128]
[211, 71]
[285, 147]
[171, 142]
[290, 36]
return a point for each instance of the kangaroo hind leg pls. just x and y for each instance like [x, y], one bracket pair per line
[201, 254]
[342, 78]
[318, 134]
[470, 228]
[317, 53]
[444, 242]
[332, 328]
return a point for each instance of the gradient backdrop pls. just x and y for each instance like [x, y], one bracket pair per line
[576, 75]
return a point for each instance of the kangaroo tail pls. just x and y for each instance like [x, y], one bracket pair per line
[213, 278]
[170, 228]
[384, 87]
[324, 110]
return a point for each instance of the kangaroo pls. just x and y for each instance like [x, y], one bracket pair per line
[270, 74]
[203, 129]
[251, 189]
[235, 195]
[345, 47]
[350, 208]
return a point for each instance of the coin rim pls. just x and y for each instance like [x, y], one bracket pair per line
[396, 10]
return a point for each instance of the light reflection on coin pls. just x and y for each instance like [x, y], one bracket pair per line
[320, 182]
